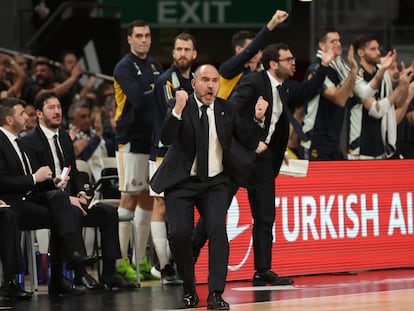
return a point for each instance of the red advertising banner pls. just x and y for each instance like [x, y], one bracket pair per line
[343, 216]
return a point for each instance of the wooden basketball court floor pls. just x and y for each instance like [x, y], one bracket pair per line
[381, 290]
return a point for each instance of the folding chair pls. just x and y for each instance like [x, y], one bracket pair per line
[106, 189]
[85, 176]
[28, 238]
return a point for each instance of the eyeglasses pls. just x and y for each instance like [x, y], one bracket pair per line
[290, 60]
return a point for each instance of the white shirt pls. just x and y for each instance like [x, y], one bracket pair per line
[49, 135]
[277, 107]
[215, 151]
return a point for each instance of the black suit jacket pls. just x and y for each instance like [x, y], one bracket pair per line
[39, 151]
[257, 84]
[14, 183]
[182, 136]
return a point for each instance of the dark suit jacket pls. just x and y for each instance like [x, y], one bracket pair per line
[103, 216]
[182, 136]
[258, 84]
[39, 151]
[14, 183]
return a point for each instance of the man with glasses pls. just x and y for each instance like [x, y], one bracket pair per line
[273, 86]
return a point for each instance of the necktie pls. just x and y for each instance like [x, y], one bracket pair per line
[202, 147]
[26, 165]
[59, 152]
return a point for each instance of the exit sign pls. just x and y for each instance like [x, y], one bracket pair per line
[201, 13]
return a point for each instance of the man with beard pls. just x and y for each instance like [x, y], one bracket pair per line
[48, 144]
[325, 113]
[35, 196]
[274, 86]
[177, 77]
[373, 122]
[247, 49]
[202, 130]
[44, 81]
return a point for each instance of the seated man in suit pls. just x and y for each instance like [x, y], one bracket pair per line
[49, 145]
[10, 254]
[35, 197]
[196, 172]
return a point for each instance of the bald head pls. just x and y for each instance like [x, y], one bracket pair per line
[206, 83]
[204, 68]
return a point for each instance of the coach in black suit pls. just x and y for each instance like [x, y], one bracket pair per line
[186, 184]
[45, 152]
[272, 86]
[34, 196]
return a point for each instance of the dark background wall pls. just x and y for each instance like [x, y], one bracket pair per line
[391, 20]
[214, 45]
[110, 37]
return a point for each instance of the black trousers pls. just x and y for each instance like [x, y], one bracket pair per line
[10, 251]
[50, 209]
[105, 217]
[199, 238]
[210, 198]
[261, 192]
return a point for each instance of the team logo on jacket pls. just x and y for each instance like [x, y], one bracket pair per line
[139, 72]
[155, 70]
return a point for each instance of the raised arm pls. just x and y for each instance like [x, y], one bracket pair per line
[340, 95]
[18, 75]
[231, 67]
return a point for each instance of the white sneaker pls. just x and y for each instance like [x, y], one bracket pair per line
[155, 272]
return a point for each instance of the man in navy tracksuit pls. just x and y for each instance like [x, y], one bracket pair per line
[135, 75]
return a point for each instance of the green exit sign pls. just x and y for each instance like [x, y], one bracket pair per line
[200, 13]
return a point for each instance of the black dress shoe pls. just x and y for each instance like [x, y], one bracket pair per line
[89, 282]
[12, 290]
[216, 302]
[64, 287]
[190, 298]
[77, 259]
[269, 278]
[118, 281]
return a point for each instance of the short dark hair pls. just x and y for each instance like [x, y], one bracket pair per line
[240, 37]
[7, 108]
[185, 36]
[271, 52]
[136, 23]
[40, 100]
[66, 53]
[321, 35]
[42, 62]
[362, 40]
